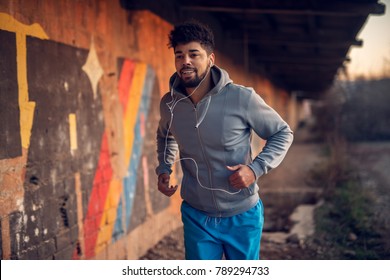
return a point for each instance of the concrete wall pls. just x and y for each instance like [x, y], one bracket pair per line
[79, 93]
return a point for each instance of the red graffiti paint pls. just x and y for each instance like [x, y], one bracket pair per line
[97, 200]
[125, 80]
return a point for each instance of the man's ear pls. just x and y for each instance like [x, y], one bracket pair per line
[211, 59]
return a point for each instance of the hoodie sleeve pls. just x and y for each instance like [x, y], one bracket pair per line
[268, 125]
[166, 143]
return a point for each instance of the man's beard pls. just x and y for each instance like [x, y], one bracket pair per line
[193, 82]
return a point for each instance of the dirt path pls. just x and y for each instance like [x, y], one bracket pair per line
[289, 199]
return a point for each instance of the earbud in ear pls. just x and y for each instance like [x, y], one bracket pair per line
[211, 63]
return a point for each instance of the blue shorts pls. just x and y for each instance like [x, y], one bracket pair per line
[209, 238]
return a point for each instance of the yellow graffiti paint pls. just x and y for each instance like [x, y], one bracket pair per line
[8, 23]
[27, 107]
[79, 200]
[133, 103]
[73, 132]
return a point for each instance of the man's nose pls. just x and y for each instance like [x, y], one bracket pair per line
[186, 60]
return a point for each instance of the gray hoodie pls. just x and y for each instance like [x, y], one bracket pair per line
[214, 134]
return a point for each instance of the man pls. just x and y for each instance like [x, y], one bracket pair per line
[209, 120]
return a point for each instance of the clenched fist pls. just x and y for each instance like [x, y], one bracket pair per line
[243, 176]
[163, 185]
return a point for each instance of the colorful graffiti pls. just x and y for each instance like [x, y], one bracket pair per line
[71, 202]
[110, 196]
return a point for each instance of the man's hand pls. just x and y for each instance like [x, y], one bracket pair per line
[243, 176]
[163, 185]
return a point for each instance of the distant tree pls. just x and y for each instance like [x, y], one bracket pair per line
[356, 110]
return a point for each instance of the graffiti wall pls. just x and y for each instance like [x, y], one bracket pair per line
[80, 85]
[70, 204]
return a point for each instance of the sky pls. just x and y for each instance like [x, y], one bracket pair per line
[370, 59]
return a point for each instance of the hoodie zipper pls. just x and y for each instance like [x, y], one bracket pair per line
[205, 158]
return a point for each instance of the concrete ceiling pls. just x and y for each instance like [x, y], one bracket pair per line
[300, 45]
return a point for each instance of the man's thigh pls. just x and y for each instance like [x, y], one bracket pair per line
[241, 234]
[200, 235]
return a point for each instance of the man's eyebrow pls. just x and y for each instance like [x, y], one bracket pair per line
[193, 50]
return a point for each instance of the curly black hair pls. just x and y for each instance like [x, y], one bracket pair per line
[192, 31]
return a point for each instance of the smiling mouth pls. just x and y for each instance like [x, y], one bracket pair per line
[187, 74]
[187, 71]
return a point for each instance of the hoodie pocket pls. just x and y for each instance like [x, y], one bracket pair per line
[237, 155]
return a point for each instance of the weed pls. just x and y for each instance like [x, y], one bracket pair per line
[345, 224]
